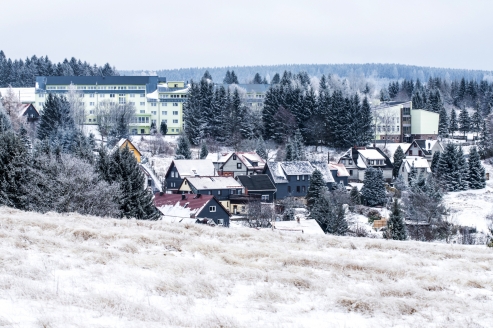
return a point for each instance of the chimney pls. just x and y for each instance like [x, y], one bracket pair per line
[183, 196]
[328, 157]
[161, 193]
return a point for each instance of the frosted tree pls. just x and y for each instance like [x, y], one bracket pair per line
[261, 149]
[203, 151]
[434, 161]
[443, 123]
[354, 196]
[396, 225]
[463, 170]
[330, 214]
[464, 121]
[398, 157]
[289, 153]
[316, 189]
[453, 125]
[476, 175]
[183, 147]
[163, 128]
[373, 190]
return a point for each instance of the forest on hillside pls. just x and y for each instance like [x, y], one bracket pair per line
[370, 70]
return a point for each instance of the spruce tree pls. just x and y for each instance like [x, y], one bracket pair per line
[396, 225]
[413, 175]
[316, 189]
[207, 75]
[434, 161]
[364, 124]
[354, 196]
[298, 147]
[184, 147]
[257, 79]
[289, 153]
[337, 223]
[261, 149]
[476, 170]
[463, 170]
[443, 123]
[227, 77]
[398, 157]
[476, 120]
[464, 121]
[203, 151]
[276, 79]
[137, 200]
[56, 119]
[163, 129]
[373, 190]
[454, 125]
[330, 215]
[5, 123]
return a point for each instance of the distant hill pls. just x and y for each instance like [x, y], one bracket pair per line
[377, 71]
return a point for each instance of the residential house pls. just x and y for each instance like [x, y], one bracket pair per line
[424, 148]
[324, 168]
[339, 173]
[420, 164]
[218, 159]
[258, 184]
[127, 143]
[223, 188]
[192, 206]
[291, 179]
[242, 163]
[357, 159]
[184, 168]
[151, 180]
[30, 113]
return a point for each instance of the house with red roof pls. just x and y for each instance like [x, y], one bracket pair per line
[196, 206]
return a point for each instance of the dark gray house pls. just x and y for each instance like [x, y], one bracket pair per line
[192, 206]
[258, 184]
[291, 179]
[184, 168]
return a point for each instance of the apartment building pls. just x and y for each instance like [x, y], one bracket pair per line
[155, 100]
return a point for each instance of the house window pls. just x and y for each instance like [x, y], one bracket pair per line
[419, 153]
[234, 157]
[220, 222]
[350, 162]
[175, 112]
[298, 188]
[298, 178]
[410, 153]
[265, 198]
[303, 177]
[350, 172]
[209, 192]
[303, 188]
[289, 189]
[219, 192]
[91, 112]
[238, 165]
[212, 208]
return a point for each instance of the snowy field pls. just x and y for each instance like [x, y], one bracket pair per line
[76, 271]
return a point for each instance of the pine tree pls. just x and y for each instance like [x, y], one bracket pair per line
[136, 201]
[5, 123]
[454, 125]
[330, 215]
[163, 128]
[463, 170]
[364, 124]
[299, 153]
[289, 153]
[398, 157]
[203, 151]
[396, 225]
[257, 79]
[276, 79]
[476, 120]
[434, 161]
[464, 121]
[261, 150]
[443, 122]
[227, 77]
[373, 190]
[55, 119]
[476, 170]
[184, 147]
[354, 196]
[316, 189]
[207, 75]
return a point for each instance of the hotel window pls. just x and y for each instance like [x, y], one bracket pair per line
[164, 112]
[132, 95]
[101, 95]
[91, 95]
[175, 112]
[91, 103]
[165, 104]
[142, 95]
[112, 95]
[165, 121]
[142, 111]
[40, 104]
[132, 103]
[175, 104]
[121, 100]
[153, 104]
[142, 103]
[81, 95]
[91, 112]
[153, 112]
[175, 121]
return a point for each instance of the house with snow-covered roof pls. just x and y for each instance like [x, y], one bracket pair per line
[424, 148]
[242, 163]
[183, 168]
[124, 142]
[419, 164]
[192, 206]
[357, 159]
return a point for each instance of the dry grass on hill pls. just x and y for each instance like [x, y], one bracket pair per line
[75, 271]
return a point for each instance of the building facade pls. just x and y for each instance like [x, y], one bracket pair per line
[155, 100]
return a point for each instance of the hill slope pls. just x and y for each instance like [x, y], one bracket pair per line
[58, 271]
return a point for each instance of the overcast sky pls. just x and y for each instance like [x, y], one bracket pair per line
[161, 34]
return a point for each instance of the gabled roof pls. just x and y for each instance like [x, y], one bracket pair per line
[220, 157]
[358, 155]
[150, 173]
[324, 168]
[212, 183]
[426, 146]
[193, 167]
[194, 203]
[24, 107]
[340, 168]
[416, 161]
[280, 170]
[122, 142]
[257, 182]
[248, 159]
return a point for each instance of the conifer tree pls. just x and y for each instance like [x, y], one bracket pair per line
[227, 77]
[289, 153]
[330, 215]
[184, 147]
[476, 120]
[203, 151]
[373, 190]
[396, 225]
[354, 196]
[257, 79]
[398, 157]
[434, 161]
[234, 78]
[484, 142]
[454, 125]
[364, 124]
[55, 119]
[413, 175]
[476, 170]
[136, 201]
[463, 170]
[316, 189]
[207, 75]
[299, 153]
[443, 123]
[261, 150]
[5, 123]
[276, 79]
[163, 128]
[337, 223]
[464, 121]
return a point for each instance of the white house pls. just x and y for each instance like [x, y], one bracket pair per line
[419, 163]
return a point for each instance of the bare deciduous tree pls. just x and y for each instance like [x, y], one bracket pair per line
[77, 107]
[113, 119]
[12, 104]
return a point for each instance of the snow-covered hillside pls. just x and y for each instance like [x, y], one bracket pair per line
[75, 271]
